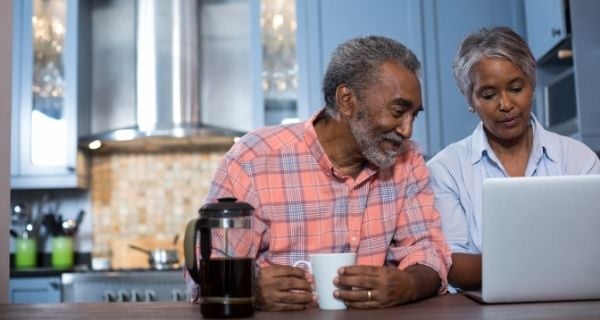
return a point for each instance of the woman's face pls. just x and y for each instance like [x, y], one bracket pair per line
[502, 97]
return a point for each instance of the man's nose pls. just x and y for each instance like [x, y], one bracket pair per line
[405, 126]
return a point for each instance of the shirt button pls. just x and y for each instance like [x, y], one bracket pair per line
[353, 239]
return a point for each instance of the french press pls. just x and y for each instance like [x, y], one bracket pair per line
[224, 270]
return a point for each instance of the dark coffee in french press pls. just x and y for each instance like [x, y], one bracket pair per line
[225, 268]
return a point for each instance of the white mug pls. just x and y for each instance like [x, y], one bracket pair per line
[324, 267]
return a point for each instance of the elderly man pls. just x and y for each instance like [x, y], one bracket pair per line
[346, 180]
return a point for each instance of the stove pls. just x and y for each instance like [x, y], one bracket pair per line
[124, 286]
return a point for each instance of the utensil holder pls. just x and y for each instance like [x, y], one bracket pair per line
[25, 253]
[62, 252]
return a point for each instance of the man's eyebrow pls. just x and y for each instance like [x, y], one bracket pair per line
[403, 102]
[408, 104]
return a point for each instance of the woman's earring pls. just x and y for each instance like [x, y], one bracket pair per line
[471, 109]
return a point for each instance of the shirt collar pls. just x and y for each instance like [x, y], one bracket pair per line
[481, 146]
[311, 140]
[542, 142]
[313, 144]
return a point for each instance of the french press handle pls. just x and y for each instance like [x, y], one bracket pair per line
[194, 229]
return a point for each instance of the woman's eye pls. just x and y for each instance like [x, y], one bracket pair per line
[516, 89]
[487, 96]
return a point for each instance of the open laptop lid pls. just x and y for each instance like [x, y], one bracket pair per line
[541, 239]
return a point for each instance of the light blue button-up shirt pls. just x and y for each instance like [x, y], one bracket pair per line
[458, 171]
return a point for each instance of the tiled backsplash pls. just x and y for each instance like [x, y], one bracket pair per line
[147, 195]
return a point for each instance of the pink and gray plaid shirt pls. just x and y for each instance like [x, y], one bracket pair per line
[303, 205]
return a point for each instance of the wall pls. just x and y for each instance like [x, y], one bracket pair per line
[146, 199]
[5, 107]
[143, 199]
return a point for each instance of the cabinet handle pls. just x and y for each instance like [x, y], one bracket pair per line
[555, 32]
[55, 285]
[150, 295]
[109, 296]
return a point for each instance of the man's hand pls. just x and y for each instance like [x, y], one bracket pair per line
[368, 287]
[280, 288]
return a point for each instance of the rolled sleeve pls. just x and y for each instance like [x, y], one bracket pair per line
[419, 233]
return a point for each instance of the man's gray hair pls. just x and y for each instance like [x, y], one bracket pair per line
[497, 42]
[356, 63]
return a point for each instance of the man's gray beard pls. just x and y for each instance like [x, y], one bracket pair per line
[369, 142]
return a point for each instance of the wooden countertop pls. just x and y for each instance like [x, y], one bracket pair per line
[442, 307]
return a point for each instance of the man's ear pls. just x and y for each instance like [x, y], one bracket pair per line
[345, 100]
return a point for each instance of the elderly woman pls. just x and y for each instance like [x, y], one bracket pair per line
[495, 71]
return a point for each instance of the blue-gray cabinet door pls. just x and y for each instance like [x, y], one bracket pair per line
[324, 24]
[446, 23]
[35, 290]
[546, 25]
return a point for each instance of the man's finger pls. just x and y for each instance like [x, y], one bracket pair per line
[275, 271]
[358, 270]
[356, 295]
[356, 282]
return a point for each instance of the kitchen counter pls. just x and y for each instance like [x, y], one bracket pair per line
[45, 271]
[441, 307]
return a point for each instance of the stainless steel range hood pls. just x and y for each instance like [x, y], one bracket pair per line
[145, 77]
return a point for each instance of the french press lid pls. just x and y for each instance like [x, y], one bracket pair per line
[224, 214]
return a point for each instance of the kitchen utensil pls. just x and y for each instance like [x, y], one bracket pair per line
[50, 224]
[37, 222]
[225, 273]
[175, 240]
[79, 218]
[69, 227]
[160, 259]
[21, 213]
[27, 233]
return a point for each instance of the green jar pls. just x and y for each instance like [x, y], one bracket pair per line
[25, 253]
[62, 252]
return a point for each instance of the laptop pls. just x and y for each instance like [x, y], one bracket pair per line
[541, 239]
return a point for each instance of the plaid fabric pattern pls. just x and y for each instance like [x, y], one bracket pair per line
[304, 206]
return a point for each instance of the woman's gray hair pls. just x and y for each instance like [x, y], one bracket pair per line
[497, 42]
[356, 63]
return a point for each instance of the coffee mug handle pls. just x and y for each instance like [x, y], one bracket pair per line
[303, 262]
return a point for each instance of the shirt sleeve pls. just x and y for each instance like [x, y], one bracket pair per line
[448, 204]
[579, 158]
[233, 179]
[418, 238]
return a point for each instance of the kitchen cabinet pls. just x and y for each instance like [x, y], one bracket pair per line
[35, 290]
[248, 71]
[579, 103]
[324, 24]
[433, 29]
[546, 25]
[445, 24]
[585, 25]
[48, 113]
